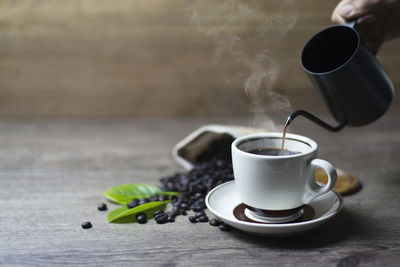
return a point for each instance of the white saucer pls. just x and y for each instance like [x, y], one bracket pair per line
[223, 199]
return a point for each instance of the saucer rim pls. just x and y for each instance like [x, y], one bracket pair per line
[324, 217]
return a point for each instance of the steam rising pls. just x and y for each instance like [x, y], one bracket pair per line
[241, 31]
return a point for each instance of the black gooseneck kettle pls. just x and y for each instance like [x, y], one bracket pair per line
[356, 89]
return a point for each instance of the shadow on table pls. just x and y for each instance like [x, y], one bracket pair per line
[341, 227]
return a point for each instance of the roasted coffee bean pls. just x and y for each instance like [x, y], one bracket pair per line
[141, 218]
[161, 219]
[154, 197]
[163, 198]
[203, 219]
[160, 215]
[86, 225]
[192, 219]
[182, 212]
[171, 219]
[224, 227]
[199, 214]
[102, 206]
[131, 205]
[199, 202]
[183, 206]
[159, 212]
[214, 222]
[144, 200]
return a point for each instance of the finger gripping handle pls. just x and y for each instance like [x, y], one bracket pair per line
[313, 189]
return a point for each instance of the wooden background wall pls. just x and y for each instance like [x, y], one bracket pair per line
[129, 58]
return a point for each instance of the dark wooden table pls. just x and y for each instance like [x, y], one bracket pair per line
[53, 173]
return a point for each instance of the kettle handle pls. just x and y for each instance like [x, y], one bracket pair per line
[350, 23]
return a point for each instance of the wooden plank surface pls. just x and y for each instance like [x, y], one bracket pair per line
[134, 58]
[53, 173]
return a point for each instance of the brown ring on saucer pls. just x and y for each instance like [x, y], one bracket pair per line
[346, 183]
[239, 214]
[274, 213]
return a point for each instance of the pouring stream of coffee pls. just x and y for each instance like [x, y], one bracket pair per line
[283, 138]
[314, 119]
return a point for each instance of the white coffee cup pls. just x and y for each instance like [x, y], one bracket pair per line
[278, 183]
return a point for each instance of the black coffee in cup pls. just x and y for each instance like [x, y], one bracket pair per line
[272, 152]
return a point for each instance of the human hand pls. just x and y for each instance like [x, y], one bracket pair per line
[377, 20]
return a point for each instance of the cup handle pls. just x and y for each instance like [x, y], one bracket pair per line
[313, 189]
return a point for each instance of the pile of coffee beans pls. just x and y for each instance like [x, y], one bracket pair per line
[212, 168]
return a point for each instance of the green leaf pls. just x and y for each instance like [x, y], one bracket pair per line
[123, 194]
[126, 215]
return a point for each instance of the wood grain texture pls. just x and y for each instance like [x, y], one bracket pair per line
[133, 58]
[53, 173]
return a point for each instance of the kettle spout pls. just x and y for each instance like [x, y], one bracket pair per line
[316, 120]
